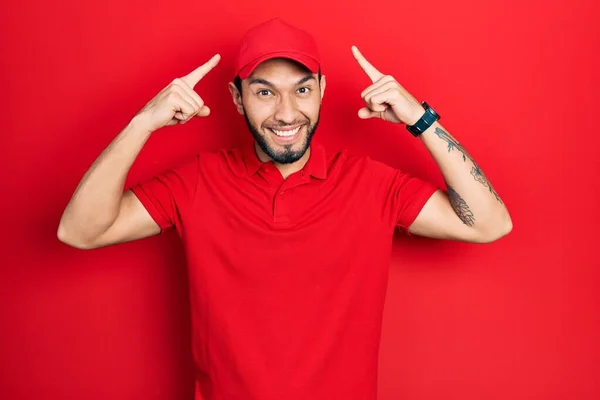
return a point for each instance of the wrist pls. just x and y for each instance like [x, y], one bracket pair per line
[138, 124]
[424, 122]
[415, 115]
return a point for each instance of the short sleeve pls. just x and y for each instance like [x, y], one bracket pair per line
[170, 194]
[400, 195]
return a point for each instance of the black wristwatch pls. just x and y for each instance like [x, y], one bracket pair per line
[425, 122]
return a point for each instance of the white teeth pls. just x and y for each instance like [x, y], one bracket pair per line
[286, 133]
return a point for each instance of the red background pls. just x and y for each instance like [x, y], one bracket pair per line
[515, 81]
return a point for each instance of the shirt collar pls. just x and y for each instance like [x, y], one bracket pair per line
[316, 165]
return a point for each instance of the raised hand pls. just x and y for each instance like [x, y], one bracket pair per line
[177, 102]
[385, 98]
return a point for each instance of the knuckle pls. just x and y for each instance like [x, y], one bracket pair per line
[386, 79]
[173, 96]
[171, 89]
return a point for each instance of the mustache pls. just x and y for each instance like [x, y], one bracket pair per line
[283, 125]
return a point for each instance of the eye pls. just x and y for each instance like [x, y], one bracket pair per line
[304, 90]
[263, 92]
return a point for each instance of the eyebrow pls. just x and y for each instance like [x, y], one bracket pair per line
[267, 83]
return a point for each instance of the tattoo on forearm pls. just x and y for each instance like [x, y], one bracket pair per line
[452, 143]
[480, 177]
[476, 170]
[460, 207]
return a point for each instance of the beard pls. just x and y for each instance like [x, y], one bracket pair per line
[288, 155]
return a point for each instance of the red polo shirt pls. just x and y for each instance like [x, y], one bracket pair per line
[287, 277]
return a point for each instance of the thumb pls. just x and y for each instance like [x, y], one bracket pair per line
[204, 112]
[365, 113]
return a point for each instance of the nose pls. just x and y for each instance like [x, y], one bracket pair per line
[286, 110]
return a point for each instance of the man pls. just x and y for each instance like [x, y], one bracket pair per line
[288, 244]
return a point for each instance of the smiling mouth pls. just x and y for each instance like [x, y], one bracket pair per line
[287, 135]
[286, 132]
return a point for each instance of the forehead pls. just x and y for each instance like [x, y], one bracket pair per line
[280, 68]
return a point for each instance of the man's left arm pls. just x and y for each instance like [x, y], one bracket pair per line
[471, 210]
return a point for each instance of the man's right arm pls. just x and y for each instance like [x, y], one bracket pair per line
[100, 213]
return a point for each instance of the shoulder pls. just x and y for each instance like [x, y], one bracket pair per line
[221, 160]
[358, 163]
[346, 165]
[342, 158]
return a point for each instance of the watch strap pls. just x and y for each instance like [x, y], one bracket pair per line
[428, 118]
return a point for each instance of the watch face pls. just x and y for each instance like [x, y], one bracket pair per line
[432, 111]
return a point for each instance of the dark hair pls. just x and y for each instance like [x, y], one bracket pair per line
[238, 82]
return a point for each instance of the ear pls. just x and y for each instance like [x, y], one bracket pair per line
[323, 83]
[237, 97]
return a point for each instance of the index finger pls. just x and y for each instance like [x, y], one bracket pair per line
[369, 69]
[194, 77]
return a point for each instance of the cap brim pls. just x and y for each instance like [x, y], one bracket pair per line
[302, 58]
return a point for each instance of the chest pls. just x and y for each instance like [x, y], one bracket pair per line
[312, 222]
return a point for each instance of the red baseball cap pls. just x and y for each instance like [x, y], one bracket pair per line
[273, 39]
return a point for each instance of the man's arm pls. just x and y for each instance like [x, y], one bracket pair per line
[471, 210]
[99, 212]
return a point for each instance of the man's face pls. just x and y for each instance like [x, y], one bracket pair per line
[281, 104]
